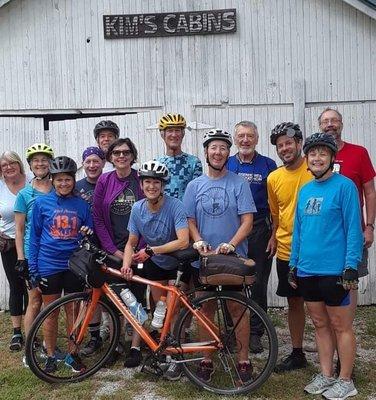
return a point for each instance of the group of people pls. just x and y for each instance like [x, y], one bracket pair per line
[309, 212]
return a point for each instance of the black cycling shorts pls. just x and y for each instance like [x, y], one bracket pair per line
[155, 273]
[324, 288]
[284, 289]
[65, 281]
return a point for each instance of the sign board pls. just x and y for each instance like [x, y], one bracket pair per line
[169, 24]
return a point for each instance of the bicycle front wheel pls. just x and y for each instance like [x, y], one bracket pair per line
[219, 371]
[52, 337]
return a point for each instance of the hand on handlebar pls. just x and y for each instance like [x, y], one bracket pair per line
[127, 272]
[225, 248]
[201, 246]
[140, 256]
[86, 231]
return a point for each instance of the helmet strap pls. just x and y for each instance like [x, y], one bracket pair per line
[216, 168]
[38, 178]
[155, 202]
[319, 176]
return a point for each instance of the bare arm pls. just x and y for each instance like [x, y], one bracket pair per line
[181, 243]
[246, 223]
[128, 254]
[370, 199]
[193, 230]
[20, 233]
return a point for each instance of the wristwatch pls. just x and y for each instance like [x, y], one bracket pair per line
[371, 225]
[149, 251]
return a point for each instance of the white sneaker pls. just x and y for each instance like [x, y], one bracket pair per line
[341, 390]
[319, 384]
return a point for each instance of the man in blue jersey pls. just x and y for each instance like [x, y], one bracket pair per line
[255, 168]
[182, 167]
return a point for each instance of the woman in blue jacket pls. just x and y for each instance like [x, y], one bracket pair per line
[326, 249]
[55, 230]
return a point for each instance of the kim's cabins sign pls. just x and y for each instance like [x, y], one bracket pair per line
[169, 24]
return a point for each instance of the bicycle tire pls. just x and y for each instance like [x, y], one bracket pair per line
[227, 382]
[36, 353]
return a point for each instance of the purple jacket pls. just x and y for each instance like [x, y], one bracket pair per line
[108, 187]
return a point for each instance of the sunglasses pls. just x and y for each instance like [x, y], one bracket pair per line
[118, 153]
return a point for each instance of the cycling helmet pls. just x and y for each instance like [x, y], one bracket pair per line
[217, 134]
[39, 148]
[63, 164]
[108, 126]
[286, 128]
[153, 169]
[171, 120]
[320, 139]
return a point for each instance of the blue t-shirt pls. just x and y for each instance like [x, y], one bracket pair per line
[217, 206]
[183, 169]
[256, 173]
[24, 205]
[327, 234]
[158, 228]
[54, 232]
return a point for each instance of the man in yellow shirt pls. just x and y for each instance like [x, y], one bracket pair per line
[283, 186]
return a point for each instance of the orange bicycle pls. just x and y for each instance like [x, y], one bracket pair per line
[195, 337]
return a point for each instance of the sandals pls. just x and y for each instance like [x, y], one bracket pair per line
[16, 342]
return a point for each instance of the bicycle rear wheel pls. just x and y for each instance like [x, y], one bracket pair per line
[45, 334]
[231, 313]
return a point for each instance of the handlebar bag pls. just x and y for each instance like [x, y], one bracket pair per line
[221, 269]
[84, 265]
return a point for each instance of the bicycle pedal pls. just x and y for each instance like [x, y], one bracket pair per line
[152, 370]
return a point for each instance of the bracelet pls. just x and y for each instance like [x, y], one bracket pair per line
[149, 251]
[372, 226]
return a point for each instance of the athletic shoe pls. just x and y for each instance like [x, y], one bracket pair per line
[74, 362]
[91, 347]
[291, 362]
[24, 362]
[341, 390]
[133, 359]
[205, 370]
[245, 372]
[173, 372]
[319, 384]
[255, 345]
[16, 342]
[51, 365]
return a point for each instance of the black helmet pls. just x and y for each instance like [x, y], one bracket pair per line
[153, 169]
[216, 134]
[320, 139]
[63, 164]
[108, 126]
[286, 128]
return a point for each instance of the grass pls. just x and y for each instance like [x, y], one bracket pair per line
[17, 382]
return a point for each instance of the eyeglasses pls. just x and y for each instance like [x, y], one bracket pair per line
[118, 153]
[7, 165]
[330, 121]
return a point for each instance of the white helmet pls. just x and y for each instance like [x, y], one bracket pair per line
[153, 169]
[217, 134]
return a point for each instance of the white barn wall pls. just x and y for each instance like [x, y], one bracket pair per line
[47, 64]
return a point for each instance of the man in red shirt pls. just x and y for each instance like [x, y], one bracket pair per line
[354, 162]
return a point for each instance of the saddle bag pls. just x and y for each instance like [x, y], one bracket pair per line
[221, 269]
[84, 265]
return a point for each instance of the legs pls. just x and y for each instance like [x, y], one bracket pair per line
[257, 243]
[296, 320]
[33, 308]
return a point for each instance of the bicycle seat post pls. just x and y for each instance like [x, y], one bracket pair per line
[179, 274]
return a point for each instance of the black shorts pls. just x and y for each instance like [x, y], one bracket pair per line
[284, 289]
[65, 281]
[155, 273]
[195, 273]
[325, 289]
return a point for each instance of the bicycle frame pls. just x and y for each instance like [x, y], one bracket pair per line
[176, 295]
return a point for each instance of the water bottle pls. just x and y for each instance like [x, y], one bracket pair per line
[134, 306]
[159, 313]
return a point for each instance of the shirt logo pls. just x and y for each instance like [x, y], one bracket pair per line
[215, 201]
[313, 206]
[64, 225]
[122, 205]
